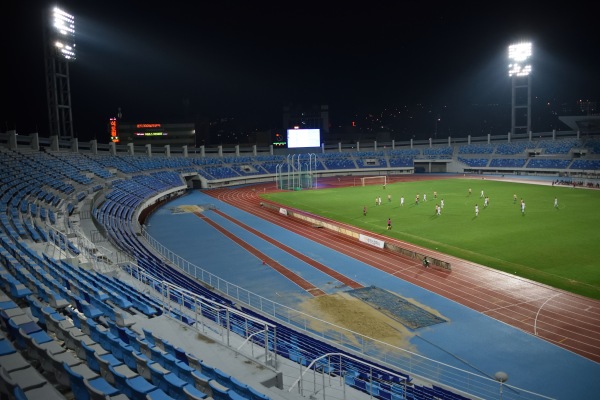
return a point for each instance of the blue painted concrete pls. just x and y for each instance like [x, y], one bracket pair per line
[470, 340]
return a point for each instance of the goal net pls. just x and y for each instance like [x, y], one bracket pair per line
[374, 180]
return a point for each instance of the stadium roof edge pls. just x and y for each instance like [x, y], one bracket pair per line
[582, 123]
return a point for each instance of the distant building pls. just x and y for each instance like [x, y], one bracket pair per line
[233, 130]
[307, 117]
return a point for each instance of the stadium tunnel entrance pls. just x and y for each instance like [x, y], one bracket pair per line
[195, 181]
[431, 166]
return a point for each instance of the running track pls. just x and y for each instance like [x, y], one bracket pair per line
[567, 320]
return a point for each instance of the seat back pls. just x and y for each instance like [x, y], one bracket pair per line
[138, 389]
[194, 362]
[149, 336]
[56, 366]
[218, 392]
[90, 356]
[256, 395]
[222, 377]
[103, 365]
[158, 376]
[70, 338]
[240, 388]
[78, 388]
[208, 370]
[142, 366]
[7, 384]
[158, 394]
[128, 358]
[64, 327]
[99, 389]
[192, 393]
[19, 394]
[115, 378]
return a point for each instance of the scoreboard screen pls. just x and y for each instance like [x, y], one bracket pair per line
[298, 138]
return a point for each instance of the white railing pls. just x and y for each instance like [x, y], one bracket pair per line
[178, 302]
[413, 364]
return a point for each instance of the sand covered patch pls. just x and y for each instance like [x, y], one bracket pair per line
[187, 209]
[351, 313]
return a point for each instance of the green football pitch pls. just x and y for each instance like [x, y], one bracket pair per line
[557, 246]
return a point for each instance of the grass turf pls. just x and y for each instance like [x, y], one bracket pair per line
[554, 246]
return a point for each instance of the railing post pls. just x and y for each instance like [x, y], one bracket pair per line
[227, 324]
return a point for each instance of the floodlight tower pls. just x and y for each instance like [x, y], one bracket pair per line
[519, 70]
[59, 52]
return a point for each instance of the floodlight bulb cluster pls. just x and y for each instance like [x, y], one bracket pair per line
[519, 70]
[519, 54]
[64, 27]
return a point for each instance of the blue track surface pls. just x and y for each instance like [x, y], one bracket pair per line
[470, 340]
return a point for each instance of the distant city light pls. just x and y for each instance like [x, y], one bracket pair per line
[519, 54]
[64, 33]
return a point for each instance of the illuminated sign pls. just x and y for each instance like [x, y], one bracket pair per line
[155, 133]
[147, 126]
[113, 130]
[279, 141]
[150, 133]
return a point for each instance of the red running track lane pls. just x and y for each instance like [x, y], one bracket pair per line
[315, 264]
[565, 319]
[304, 284]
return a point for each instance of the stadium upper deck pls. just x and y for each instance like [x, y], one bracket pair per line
[562, 154]
[42, 190]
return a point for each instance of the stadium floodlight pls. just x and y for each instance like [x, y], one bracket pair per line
[519, 54]
[59, 53]
[519, 70]
[63, 27]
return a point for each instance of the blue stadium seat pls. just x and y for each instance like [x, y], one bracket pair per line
[138, 389]
[192, 393]
[218, 392]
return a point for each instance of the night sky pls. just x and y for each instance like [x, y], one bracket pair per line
[180, 61]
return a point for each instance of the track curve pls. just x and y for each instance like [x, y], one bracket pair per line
[562, 318]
